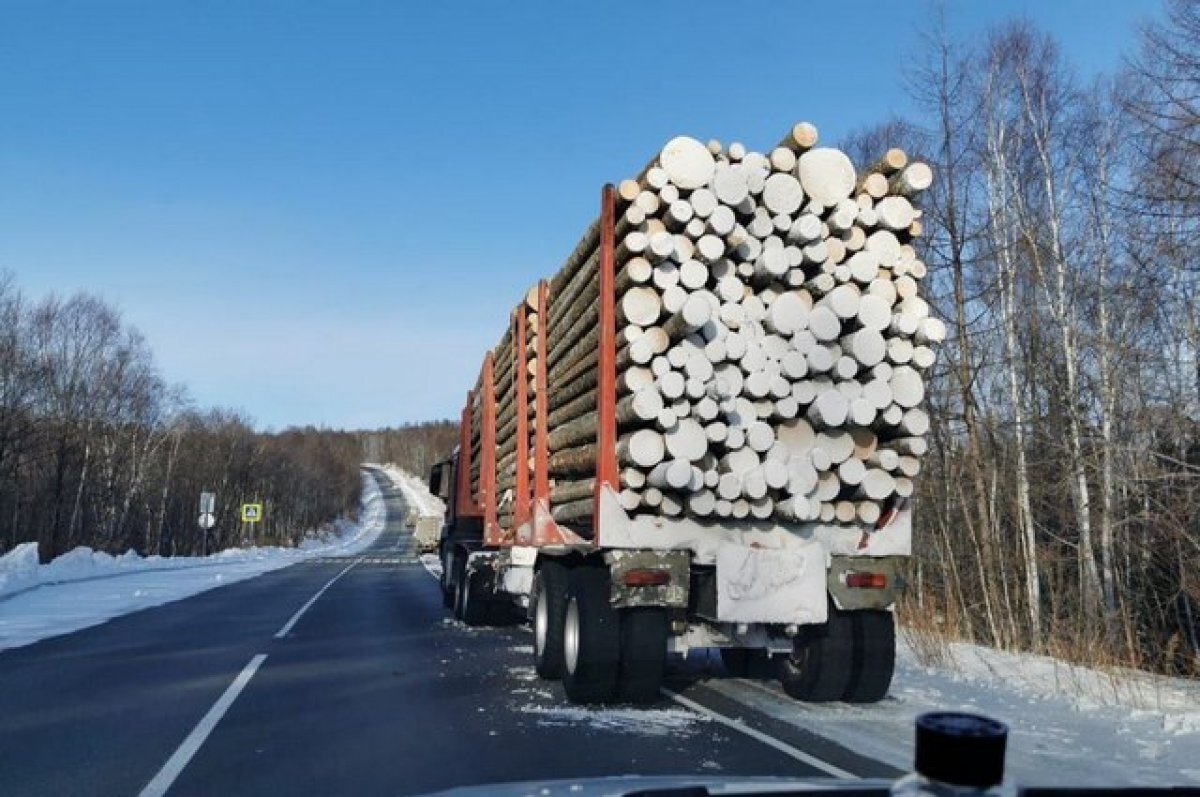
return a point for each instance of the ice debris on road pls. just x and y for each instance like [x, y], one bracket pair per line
[82, 587]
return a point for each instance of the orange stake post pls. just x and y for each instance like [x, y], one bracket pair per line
[606, 389]
[465, 502]
[487, 455]
[521, 505]
[541, 407]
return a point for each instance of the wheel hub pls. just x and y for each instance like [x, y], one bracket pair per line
[541, 623]
[571, 637]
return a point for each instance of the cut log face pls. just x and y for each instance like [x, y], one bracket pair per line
[826, 175]
[687, 163]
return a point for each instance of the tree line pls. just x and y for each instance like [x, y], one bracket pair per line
[1060, 507]
[97, 449]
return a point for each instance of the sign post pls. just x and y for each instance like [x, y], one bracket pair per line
[252, 513]
[208, 509]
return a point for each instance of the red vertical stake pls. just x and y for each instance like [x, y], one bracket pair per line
[541, 405]
[462, 474]
[487, 453]
[606, 388]
[521, 505]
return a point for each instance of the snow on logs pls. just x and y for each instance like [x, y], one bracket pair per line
[772, 343]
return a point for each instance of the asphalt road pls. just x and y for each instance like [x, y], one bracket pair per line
[371, 690]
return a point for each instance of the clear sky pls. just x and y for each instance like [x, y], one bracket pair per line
[322, 212]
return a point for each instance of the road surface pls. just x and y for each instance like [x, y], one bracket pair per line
[345, 676]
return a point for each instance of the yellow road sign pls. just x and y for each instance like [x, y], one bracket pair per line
[251, 513]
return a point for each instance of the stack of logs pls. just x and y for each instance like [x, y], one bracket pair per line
[772, 342]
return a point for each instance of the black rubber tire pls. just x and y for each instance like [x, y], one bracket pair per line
[473, 607]
[447, 587]
[550, 584]
[644, 632]
[458, 572]
[593, 627]
[818, 671]
[756, 664]
[873, 658]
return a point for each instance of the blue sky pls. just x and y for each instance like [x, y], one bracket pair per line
[322, 212]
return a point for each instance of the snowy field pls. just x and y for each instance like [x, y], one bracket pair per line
[1068, 725]
[83, 587]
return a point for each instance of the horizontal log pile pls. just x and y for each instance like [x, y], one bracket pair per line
[772, 341]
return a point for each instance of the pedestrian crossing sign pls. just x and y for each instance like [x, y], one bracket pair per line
[251, 513]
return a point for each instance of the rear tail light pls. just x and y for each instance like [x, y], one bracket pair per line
[866, 580]
[647, 577]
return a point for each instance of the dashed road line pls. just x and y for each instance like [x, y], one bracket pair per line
[770, 741]
[166, 776]
[282, 632]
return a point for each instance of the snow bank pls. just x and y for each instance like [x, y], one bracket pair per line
[1069, 725]
[83, 587]
[416, 492]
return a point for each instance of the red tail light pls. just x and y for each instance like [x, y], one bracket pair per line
[647, 577]
[866, 580]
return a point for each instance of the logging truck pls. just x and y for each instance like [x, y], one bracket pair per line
[702, 431]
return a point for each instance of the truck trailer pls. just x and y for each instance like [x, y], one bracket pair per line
[759, 503]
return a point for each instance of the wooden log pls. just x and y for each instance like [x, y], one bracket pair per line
[908, 388]
[915, 422]
[783, 159]
[782, 193]
[867, 512]
[801, 138]
[874, 185]
[917, 177]
[924, 357]
[566, 491]
[579, 255]
[687, 440]
[826, 175]
[828, 410]
[636, 271]
[641, 306]
[687, 163]
[895, 213]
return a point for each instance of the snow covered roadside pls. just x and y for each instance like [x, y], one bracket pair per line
[416, 492]
[83, 587]
[1069, 726]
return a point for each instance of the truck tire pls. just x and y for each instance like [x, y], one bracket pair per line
[547, 613]
[591, 638]
[873, 656]
[818, 671]
[644, 633]
[446, 583]
[471, 606]
[755, 664]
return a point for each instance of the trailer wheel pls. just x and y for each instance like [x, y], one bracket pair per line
[754, 663]
[446, 583]
[818, 671]
[874, 656]
[471, 606]
[644, 633]
[547, 613]
[591, 638]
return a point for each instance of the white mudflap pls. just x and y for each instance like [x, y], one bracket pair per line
[771, 585]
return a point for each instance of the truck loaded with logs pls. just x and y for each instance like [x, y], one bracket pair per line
[703, 430]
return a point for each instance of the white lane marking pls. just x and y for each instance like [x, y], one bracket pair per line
[282, 632]
[170, 771]
[770, 741]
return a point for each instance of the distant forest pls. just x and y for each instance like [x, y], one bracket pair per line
[97, 449]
